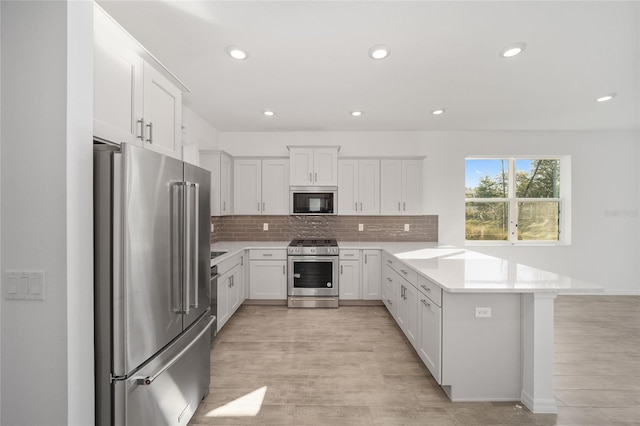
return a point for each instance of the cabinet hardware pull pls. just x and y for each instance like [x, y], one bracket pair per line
[224, 206]
[341, 269]
[241, 260]
[425, 287]
[428, 305]
[283, 271]
[390, 302]
[356, 206]
[389, 279]
[388, 261]
[404, 206]
[141, 121]
[398, 205]
[258, 205]
[150, 126]
[316, 177]
[403, 271]
[267, 254]
[365, 258]
[360, 205]
[310, 177]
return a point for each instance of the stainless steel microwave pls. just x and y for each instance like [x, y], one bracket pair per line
[313, 200]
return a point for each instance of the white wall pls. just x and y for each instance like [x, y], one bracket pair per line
[197, 134]
[604, 249]
[46, 220]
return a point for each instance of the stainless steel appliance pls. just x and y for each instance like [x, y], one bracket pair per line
[152, 302]
[313, 273]
[313, 200]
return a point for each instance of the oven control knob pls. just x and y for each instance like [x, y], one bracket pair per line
[329, 285]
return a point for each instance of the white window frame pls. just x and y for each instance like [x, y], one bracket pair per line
[564, 218]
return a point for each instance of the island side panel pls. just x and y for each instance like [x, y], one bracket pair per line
[481, 357]
[537, 352]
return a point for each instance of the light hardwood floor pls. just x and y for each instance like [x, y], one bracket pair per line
[352, 366]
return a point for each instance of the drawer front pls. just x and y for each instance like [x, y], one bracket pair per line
[350, 254]
[430, 290]
[268, 254]
[402, 270]
[231, 263]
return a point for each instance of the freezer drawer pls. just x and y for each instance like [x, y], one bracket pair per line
[168, 389]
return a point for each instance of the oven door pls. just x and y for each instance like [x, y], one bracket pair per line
[313, 276]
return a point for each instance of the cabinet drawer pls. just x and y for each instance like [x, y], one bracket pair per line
[350, 254]
[230, 263]
[402, 270]
[431, 290]
[268, 254]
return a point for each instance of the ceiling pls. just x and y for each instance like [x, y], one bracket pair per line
[308, 62]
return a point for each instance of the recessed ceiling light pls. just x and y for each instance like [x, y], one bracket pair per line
[236, 53]
[269, 113]
[379, 51]
[606, 97]
[438, 111]
[356, 113]
[512, 50]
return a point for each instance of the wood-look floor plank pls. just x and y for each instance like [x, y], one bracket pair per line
[352, 366]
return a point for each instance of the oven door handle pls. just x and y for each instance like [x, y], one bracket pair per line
[297, 276]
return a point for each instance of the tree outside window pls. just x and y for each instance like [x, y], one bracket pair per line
[513, 199]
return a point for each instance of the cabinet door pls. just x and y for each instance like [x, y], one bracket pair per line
[162, 114]
[223, 299]
[117, 90]
[226, 176]
[268, 279]
[390, 187]
[325, 166]
[247, 177]
[371, 274]
[301, 167]
[412, 187]
[348, 187]
[235, 289]
[368, 187]
[411, 311]
[349, 281]
[275, 186]
[430, 336]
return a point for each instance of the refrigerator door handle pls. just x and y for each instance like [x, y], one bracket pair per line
[178, 248]
[147, 380]
[194, 242]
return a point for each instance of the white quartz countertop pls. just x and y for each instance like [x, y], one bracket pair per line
[456, 270]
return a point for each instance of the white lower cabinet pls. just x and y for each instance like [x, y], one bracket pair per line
[231, 287]
[430, 335]
[371, 274]
[408, 310]
[268, 274]
[349, 284]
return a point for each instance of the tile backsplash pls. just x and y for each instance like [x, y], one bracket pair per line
[342, 228]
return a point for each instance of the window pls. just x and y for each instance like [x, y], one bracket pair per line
[516, 200]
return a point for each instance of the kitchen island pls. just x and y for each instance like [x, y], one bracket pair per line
[493, 335]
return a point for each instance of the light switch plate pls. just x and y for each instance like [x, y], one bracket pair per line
[24, 285]
[360, 227]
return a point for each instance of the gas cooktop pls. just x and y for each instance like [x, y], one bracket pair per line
[317, 247]
[313, 243]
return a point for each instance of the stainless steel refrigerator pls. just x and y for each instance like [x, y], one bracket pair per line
[152, 315]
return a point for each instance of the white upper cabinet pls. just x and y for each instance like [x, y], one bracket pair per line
[261, 186]
[359, 187]
[136, 100]
[400, 187]
[313, 166]
[219, 163]
[162, 114]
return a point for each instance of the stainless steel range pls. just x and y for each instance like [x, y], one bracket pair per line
[313, 273]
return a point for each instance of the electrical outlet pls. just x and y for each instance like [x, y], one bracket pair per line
[483, 312]
[212, 227]
[360, 227]
[406, 227]
[265, 226]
